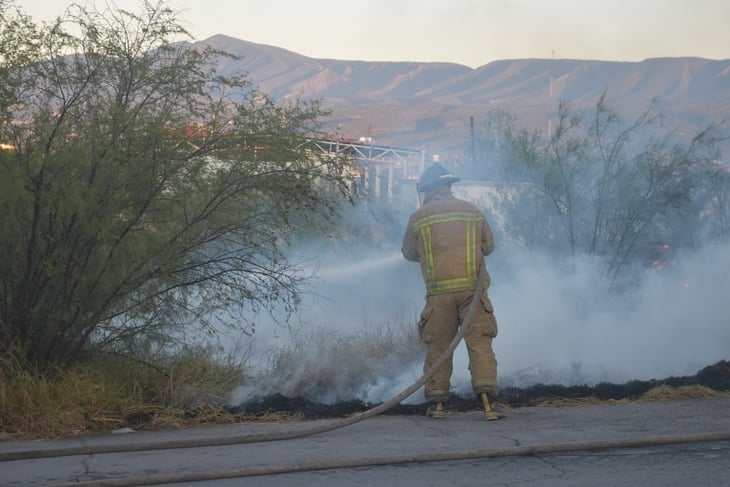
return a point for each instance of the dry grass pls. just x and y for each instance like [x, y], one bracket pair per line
[183, 390]
[191, 389]
[111, 392]
[572, 402]
[56, 404]
[667, 393]
[659, 393]
[330, 366]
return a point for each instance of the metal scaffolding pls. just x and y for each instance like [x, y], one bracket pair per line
[381, 169]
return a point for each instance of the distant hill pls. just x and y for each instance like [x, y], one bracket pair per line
[429, 105]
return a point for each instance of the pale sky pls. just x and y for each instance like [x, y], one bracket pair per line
[469, 32]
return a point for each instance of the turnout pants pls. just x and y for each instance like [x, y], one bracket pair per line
[440, 320]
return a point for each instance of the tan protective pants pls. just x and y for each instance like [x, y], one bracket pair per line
[439, 323]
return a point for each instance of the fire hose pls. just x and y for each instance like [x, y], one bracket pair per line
[448, 456]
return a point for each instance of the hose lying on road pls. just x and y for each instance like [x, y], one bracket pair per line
[286, 435]
[465, 455]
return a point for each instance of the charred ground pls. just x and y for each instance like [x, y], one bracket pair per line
[715, 377]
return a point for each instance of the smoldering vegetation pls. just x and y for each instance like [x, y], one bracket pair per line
[709, 381]
[560, 337]
[353, 338]
[609, 275]
[563, 333]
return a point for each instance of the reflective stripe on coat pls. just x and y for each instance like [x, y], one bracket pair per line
[448, 237]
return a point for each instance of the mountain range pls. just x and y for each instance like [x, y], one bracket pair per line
[439, 106]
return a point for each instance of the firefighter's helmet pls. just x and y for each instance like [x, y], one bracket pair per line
[436, 175]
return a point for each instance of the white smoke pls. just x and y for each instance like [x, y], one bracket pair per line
[356, 302]
[557, 324]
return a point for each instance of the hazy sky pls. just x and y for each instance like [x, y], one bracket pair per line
[469, 32]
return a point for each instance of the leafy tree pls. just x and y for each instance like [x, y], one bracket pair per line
[608, 187]
[143, 191]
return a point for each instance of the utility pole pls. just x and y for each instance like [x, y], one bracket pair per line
[550, 120]
[473, 136]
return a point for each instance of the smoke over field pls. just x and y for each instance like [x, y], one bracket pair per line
[355, 337]
[556, 324]
[559, 327]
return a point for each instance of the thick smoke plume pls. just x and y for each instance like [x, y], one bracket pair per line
[558, 324]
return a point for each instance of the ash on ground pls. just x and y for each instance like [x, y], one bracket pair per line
[715, 377]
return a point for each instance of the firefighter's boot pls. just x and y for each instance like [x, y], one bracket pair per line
[436, 410]
[491, 411]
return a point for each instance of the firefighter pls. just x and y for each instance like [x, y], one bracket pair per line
[449, 237]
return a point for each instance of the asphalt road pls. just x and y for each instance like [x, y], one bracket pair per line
[675, 443]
